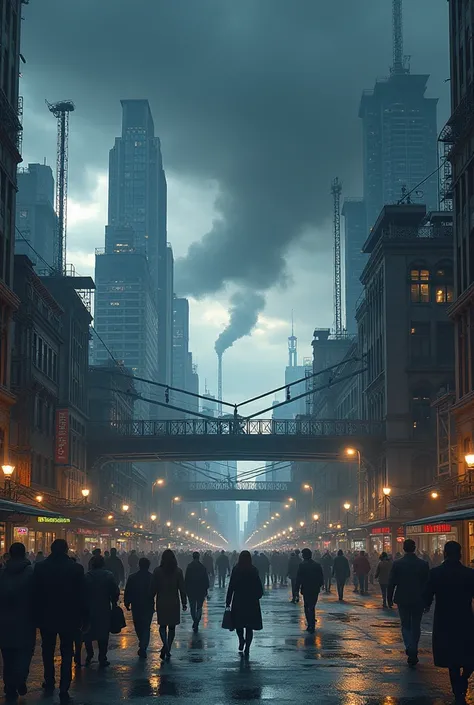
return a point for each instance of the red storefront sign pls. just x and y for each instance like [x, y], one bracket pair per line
[380, 530]
[437, 528]
[62, 437]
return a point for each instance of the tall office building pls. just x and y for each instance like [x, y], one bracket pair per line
[399, 141]
[137, 199]
[35, 215]
[355, 234]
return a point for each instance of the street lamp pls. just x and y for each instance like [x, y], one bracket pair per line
[347, 506]
[315, 517]
[111, 516]
[386, 493]
[160, 481]
[85, 493]
[469, 458]
[301, 524]
[153, 517]
[8, 471]
[39, 497]
[125, 507]
[434, 495]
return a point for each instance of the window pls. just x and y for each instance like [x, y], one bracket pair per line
[420, 342]
[421, 411]
[444, 289]
[444, 294]
[419, 285]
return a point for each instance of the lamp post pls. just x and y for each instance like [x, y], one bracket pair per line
[386, 494]
[353, 453]
[8, 471]
[85, 493]
[347, 506]
[310, 488]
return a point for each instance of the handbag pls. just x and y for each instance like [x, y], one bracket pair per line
[117, 620]
[227, 622]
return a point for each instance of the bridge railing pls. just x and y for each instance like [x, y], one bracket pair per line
[241, 486]
[252, 427]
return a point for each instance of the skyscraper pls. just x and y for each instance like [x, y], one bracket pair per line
[137, 199]
[35, 215]
[399, 141]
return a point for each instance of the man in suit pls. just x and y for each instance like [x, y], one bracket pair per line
[196, 583]
[406, 586]
[309, 580]
[59, 597]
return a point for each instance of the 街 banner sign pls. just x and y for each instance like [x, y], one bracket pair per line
[62, 437]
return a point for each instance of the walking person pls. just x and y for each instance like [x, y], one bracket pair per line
[223, 568]
[102, 595]
[309, 580]
[138, 598]
[327, 564]
[452, 584]
[361, 570]
[382, 574]
[341, 570]
[196, 583]
[115, 565]
[208, 563]
[168, 587]
[243, 596]
[17, 624]
[60, 608]
[292, 572]
[133, 562]
[406, 586]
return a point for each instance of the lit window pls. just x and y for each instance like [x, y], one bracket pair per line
[444, 294]
[115, 303]
[419, 288]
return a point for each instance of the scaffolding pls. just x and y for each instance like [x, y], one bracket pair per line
[447, 457]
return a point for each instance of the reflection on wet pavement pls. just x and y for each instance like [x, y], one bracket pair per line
[356, 657]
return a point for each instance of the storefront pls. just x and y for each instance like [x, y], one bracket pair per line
[432, 537]
[431, 533]
[387, 536]
[21, 522]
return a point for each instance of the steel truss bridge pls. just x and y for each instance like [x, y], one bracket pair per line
[238, 491]
[230, 439]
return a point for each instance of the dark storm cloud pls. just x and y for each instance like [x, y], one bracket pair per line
[259, 95]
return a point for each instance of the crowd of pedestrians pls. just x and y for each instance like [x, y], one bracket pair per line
[74, 599]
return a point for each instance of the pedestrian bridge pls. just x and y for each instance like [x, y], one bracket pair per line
[230, 439]
[238, 491]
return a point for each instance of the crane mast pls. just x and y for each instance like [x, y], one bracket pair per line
[61, 112]
[336, 190]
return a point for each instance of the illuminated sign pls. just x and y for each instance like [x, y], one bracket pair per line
[380, 530]
[21, 530]
[53, 520]
[61, 455]
[430, 529]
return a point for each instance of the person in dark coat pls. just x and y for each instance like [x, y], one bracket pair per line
[208, 562]
[243, 596]
[168, 586]
[382, 574]
[341, 570]
[406, 586]
[327, 564]
[60, 608]
[138, 597]
[309, 580]
[452, 584]
[102, 594]
[133, 562]
[362, 569]
[115, 565]
[95, 552]
[196, 583]
[17, 624]
[293, 565]
[223, 568]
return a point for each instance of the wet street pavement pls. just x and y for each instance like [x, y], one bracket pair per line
[356, 657]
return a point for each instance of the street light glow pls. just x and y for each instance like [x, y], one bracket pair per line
[8, 470]
[111, 516]
[387, 491]
[39, 497]
[347, 506]
[434, 495]
[469, 458]
[153, 517]
[307, 487]
[168, 524]
[301, 523]
[351, 451]
[85, 492]
[125, 507]
[176, 499]
[160, 481]
[316, 517]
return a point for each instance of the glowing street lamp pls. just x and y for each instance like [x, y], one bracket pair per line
[301, 524]
[168, 524]
[125, 507]
[315, 517]
[387, 491]
[386, 494]
[8, 470]
[39, 497]
[153, 517]
[434, 495]
[85, 492]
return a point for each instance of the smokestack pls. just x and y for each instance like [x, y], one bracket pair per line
[219, 383]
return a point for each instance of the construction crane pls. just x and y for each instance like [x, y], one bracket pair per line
[61, 112]
[336, 190]
[400, 62]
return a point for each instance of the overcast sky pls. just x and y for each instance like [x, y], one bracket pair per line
[256, 106]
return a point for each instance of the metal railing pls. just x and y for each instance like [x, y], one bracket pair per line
[241, 486]
[251, 427]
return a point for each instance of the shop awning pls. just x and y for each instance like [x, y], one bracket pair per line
[456, 515]
[10, 507]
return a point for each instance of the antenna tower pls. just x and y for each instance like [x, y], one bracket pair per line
[336, 190]
[61, 112]
[400, 62]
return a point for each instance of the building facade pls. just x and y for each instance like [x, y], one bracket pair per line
[37, 348]
[10, 128]
[36, 218]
